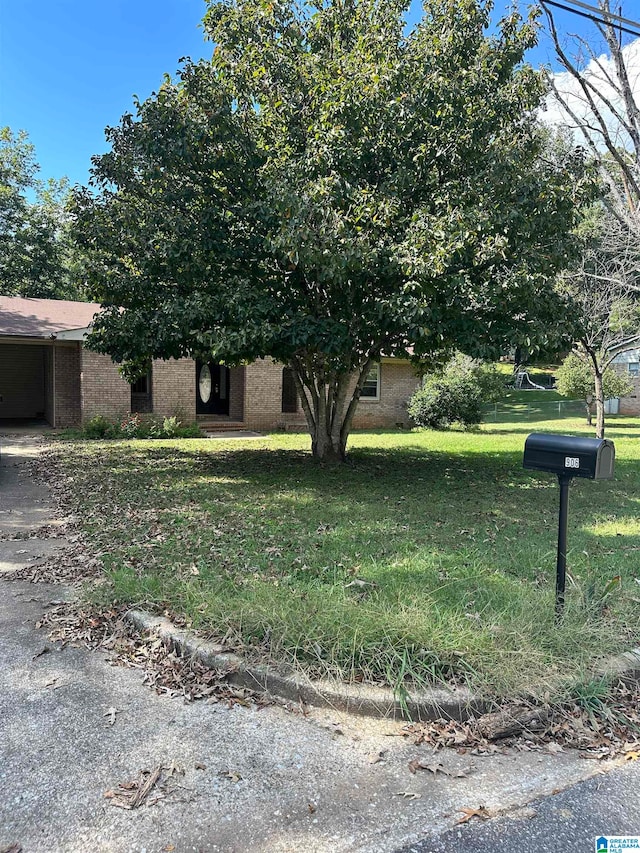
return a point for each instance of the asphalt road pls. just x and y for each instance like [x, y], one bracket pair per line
[570, 822]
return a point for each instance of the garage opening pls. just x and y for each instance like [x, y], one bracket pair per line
[26, 376]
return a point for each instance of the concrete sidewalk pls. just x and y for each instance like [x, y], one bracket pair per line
[254, 780]
[24, 506]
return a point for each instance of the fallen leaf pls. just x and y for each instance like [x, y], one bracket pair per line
[199, 766]
[408, 795]
[554, 748]
[376, 757]
[361, 584]
[437, 767]
[12, 848]
[311, 807]
[111, 713]
[632, 755]
[480, 812]
[418, 764]
[232, 775]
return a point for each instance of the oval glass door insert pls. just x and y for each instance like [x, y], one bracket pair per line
[204, 383]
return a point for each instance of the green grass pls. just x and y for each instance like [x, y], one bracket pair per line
[454, 541]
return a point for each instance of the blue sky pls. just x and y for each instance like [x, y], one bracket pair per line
[69, 68]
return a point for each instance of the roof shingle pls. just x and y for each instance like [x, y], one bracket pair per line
[43, 318]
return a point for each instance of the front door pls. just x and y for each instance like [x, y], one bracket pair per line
[212, 388]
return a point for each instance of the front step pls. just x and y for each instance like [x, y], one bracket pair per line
[221, 426]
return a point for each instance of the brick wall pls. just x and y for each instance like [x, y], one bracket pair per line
[398, 381]
[236, 393]
[103, 390]
[629, 405]
[67, 385]
[263, 398]
[174, 388]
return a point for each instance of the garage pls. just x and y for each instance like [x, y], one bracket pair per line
[24, 369]
[40, 363]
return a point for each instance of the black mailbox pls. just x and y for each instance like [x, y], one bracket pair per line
[575, 456]
[568, 456]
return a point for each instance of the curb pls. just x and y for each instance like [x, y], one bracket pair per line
[625, 666]
[366, 700]
[458, 704]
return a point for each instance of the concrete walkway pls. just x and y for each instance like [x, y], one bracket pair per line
[24, 506]
[254, 780]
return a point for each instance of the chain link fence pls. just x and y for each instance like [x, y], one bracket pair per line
[535, 411]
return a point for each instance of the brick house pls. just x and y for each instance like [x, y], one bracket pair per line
[628, 364]
[47, 373]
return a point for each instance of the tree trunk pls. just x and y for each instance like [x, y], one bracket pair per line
[589, 414]
[327, 406]
[599, 404]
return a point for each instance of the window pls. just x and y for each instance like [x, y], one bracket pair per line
[141, 399]
[371, 387]
[141, 385]
[289, 391]
[634, 368]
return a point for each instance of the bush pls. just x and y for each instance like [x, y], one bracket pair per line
[574, 378]
[100, 427]
[188, 431]
[441, 403]
[170, 426]
[456, 394]
[131, 426]
[134, 425]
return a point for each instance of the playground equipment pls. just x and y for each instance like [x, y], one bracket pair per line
[523, 381]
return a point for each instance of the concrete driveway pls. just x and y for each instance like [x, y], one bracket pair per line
[244, 779]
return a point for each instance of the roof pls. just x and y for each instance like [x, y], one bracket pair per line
[43, 318]
[631, 343]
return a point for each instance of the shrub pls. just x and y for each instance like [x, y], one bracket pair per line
[574, 378]
[456, 394]
[170, 426]
[100, 427]
[188, 431]
[131, 426]
[135, 425]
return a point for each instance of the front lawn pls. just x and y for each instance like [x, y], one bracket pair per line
[429, 557]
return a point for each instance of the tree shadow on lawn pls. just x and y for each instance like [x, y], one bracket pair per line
[454, 551]
[401, 512]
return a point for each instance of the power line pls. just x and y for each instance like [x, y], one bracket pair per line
[604, 15]
[593, 18]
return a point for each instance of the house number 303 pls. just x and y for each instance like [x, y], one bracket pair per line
[571, 461]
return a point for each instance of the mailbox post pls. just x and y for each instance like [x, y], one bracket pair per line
[568, 456]
[561, 565]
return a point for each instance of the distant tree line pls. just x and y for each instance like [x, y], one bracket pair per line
[36, 251]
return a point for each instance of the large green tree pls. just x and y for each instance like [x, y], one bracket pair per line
[36, 253]
[330, 189]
